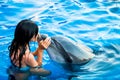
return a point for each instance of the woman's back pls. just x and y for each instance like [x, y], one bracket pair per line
[27, 59]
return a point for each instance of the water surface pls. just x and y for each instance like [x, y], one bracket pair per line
[94, 22]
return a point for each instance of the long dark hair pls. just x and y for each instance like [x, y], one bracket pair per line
[24, 31]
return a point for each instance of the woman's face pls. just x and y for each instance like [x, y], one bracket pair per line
[34, 38]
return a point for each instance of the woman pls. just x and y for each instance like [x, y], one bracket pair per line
[23, 61]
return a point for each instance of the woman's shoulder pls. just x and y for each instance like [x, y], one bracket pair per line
[28, 53]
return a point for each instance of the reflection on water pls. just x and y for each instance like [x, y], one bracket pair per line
[94, 22]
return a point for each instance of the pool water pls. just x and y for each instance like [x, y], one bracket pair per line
[94, 22]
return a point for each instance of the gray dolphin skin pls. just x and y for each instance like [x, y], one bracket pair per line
[64, 50]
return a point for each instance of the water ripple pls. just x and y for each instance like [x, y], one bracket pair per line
[94, 23]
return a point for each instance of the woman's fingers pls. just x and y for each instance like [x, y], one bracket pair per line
[45, 43]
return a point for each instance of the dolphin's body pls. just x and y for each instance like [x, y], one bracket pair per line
[64, 50]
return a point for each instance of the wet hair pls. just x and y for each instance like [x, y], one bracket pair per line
[24, 32]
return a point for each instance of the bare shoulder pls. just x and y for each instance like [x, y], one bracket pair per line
[28, 55]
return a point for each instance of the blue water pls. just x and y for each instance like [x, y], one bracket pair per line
[94, 22]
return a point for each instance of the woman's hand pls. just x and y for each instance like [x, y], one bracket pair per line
[43, 44]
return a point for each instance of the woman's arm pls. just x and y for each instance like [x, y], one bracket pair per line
[30, 60]
[39, 52]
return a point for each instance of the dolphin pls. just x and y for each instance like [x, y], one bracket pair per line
[66, 51]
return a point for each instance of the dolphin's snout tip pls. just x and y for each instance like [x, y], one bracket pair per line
[42, 37]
